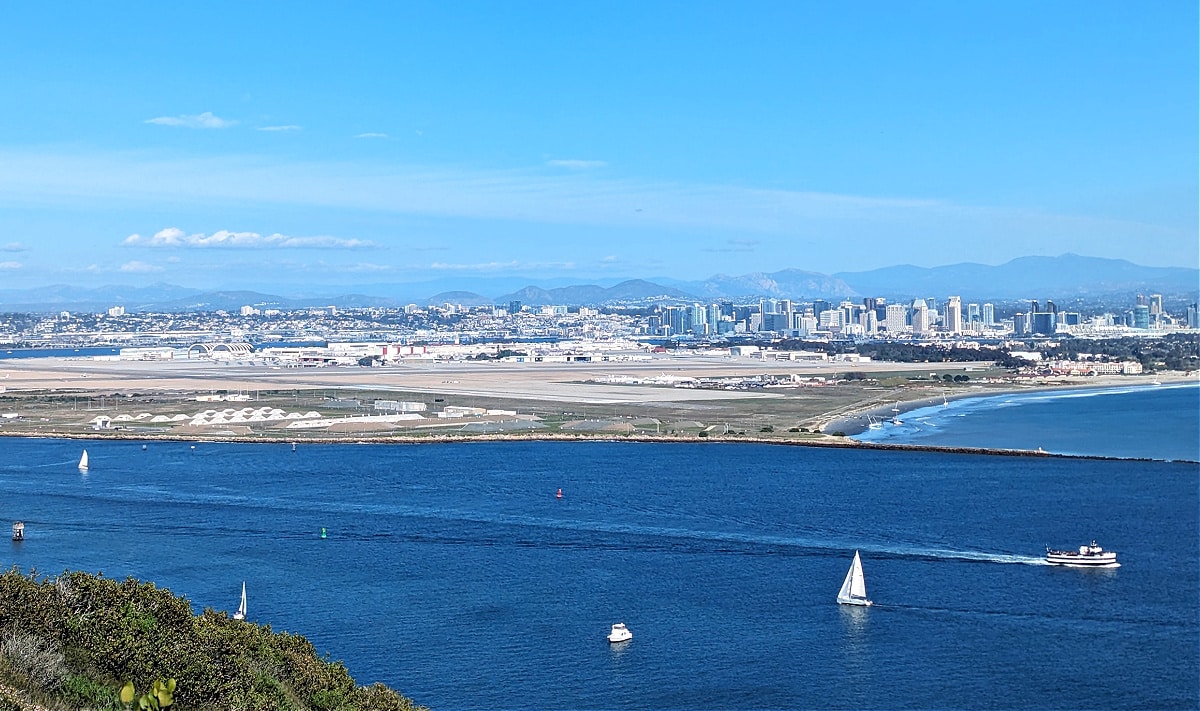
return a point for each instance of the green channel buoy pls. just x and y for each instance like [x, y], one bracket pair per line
[322, 531]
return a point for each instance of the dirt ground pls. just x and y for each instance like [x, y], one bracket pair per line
[61, 397]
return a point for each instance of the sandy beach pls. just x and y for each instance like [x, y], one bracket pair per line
[856, 422]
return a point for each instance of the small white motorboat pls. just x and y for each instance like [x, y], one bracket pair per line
[620, 633]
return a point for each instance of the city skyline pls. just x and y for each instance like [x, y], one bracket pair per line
[281, 146]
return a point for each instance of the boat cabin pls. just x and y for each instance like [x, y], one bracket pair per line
[19, 531]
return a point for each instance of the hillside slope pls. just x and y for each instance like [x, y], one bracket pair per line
[72, 641]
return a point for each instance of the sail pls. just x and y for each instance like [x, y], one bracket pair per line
[844, 593]
[83, 461]
[854, 587]
[241, 612]
[858, 584]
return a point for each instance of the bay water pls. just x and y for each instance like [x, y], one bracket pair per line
[1140, 422]
[453, 573]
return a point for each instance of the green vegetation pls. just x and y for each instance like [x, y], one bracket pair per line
[81, 641]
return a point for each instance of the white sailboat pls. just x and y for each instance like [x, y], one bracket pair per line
[241, 611]
[854, 588]
[83, 462]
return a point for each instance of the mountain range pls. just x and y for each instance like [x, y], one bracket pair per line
[1065, 276]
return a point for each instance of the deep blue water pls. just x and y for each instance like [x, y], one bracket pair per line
[452, 573]
[1142, 422]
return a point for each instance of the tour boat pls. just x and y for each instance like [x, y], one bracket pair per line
[854, 587]
[1089, 556]
[241, 611]
[620, 633]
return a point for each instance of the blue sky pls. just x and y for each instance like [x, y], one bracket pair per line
[261, 145]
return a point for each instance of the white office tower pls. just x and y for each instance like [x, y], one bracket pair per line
[895, 319]
[989, 315]
[953, 321]
[831, 320]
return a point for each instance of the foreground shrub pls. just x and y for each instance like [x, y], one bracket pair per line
[82, 638]
[39, 659]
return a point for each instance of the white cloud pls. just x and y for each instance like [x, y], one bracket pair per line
[576, 164]
[361, 267]
[175, 237]
[288, 127]
[372, 135]
[10, 266]
[13, 247]
[136, 267]
[204, 120]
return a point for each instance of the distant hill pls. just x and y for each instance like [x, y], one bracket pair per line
[591, 295]
[65, 297]
[784, 284]
[1024, 277]
[465, 298]
[1068, 275]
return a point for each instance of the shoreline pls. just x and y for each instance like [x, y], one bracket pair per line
[856, 421]
[829, 441]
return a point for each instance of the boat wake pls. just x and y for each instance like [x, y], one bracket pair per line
[970, 556]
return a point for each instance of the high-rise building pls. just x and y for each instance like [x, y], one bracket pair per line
[698, 315]
[830, 320]
[953, 320]
[896, 319]
[973, 316]
[1020, 324]
[1043, 322]
[1141, 315]
[850, 311]
[514, 307]
[989, 315]
[921, 318]
[868, 322]
[1156, 304]
[1193, 316]
[820, 305]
